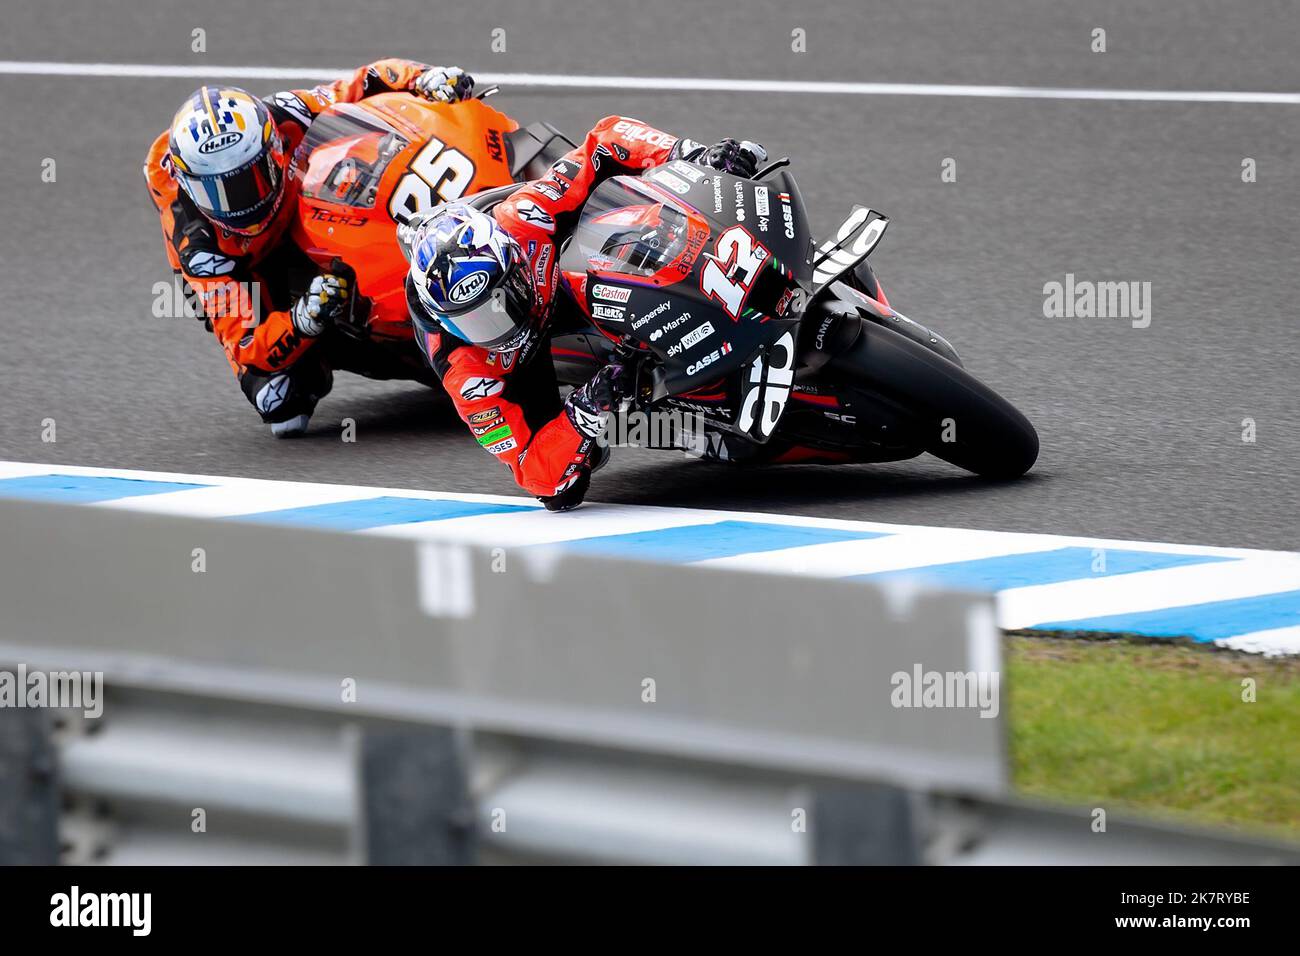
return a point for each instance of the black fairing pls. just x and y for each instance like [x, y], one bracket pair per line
[706, 273]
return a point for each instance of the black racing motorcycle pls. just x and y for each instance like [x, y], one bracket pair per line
[710, 291]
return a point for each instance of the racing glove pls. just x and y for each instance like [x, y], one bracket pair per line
[574, 493]
[445, 84]
[325, 302]
[590, 406]
[740, 158]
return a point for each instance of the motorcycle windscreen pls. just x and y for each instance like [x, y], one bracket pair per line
[628, 229]
[344, 155]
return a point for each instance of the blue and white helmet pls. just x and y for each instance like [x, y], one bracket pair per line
[471, 277]
[227, 156]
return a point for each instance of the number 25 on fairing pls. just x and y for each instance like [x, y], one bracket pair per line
[438, 174]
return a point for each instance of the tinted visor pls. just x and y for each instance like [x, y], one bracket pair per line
[240, 198]
[500, 318]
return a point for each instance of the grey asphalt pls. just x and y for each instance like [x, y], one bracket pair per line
[1141, 428]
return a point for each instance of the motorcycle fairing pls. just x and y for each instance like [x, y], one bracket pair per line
[854, 240]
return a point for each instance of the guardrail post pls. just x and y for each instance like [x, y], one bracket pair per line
[29, 801]
[415, 803]
[864, 825]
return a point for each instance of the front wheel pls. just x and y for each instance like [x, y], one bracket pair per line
[943, 408]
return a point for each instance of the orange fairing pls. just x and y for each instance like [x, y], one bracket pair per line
[364, 166]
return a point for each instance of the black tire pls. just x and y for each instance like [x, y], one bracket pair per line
[938, 399]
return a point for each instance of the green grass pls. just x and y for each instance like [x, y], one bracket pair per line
[1157, 728]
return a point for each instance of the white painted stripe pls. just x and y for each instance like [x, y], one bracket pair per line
[520, 530]
[21, 469]
[1275, 642]
[446, 580]
[908, 548]
[665, 83]
[1148, 590]
[223, 501]
[983, 641]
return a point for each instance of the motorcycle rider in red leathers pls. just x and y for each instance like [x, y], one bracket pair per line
[218, 180]
[482, 289]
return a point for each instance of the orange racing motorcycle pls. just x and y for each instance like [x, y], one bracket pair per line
[364, 168]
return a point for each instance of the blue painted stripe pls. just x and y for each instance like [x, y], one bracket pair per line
[377, 512]
[83, 489]
[1043, 567]
[1202, 622]
[722, 539]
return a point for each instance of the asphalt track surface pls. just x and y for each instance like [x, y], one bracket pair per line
[1141, 428]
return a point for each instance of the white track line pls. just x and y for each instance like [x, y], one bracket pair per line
[908, 548]
[224, 501]
[520, 529]
[662, 83]
[1147, 590]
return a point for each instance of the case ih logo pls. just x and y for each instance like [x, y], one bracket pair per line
[610, 293]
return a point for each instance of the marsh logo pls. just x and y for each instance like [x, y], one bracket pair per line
[74, 908]
[922, 689]
[469, 288]
[1083, 299]
[216, 144]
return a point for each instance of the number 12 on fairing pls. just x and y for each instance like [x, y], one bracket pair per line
[729, 275]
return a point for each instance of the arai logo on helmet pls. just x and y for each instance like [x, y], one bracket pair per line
[469, 288]
[215, 144]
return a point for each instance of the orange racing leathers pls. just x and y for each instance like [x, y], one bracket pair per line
[241, 283]
[510, 400]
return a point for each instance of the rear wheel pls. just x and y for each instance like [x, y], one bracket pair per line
[941, 406]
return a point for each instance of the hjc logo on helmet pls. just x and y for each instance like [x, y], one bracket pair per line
[216, 144]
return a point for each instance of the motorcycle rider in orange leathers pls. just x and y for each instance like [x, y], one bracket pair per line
[218, 178]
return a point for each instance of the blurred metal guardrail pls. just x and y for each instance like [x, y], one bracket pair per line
[288, 695]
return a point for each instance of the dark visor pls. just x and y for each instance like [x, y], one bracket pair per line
[238, 197]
